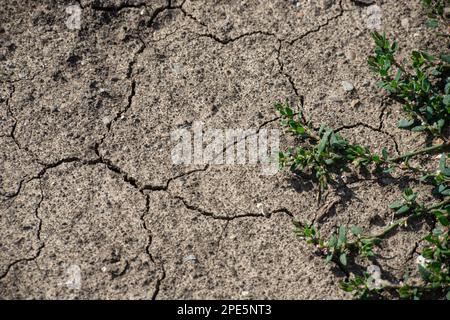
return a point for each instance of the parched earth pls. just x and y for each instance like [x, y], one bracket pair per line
[91, 204]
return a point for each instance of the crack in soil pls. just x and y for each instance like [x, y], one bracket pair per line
[282, 72]
[365, 125]
[319, 28]
[134, 182]
[190, 16]
[215, 216]
[231, 40]
[38, 236]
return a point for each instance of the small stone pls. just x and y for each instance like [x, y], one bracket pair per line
[405, 23]
[245, 293]
[374, 271]
[260, 206]
[355, 103]
[122, 35]
[447, 12]
[350, 55]
[106, 120]
[347, 86]
[190, 257]
[177, 68]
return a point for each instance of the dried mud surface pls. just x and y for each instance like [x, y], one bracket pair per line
[86, 178]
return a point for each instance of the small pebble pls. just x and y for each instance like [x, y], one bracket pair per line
[190, 257]
[106, 120]
[365, 83]
[355, 103]
[405, 23]
[350, 55]
[447, 12]
[347, 86]
[261, 209]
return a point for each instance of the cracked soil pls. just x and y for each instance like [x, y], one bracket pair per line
[86, 177]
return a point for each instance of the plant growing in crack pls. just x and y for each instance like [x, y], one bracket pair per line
[423, 88]
[434, 266]
[327, 155]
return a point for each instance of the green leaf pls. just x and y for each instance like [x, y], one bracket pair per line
[394, 46]
[419, 128]
[356, 230]
[398, 75]
[408, 191]
[396, 205]
[343, 259]
[432, 23]
[427, 56]
[389, 170]
[385, 154]
[410, 196]
[333, 241]
[445, 58]
[342, 235]
[405, 123]
[376, 159]
[324, 141]
[403, 209]
[442, 162]
[404, 292]
[443, 220]
[424, 273]
[347, 287]
[446, 100]
[440, 124]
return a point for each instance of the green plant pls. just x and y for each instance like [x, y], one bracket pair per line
[435, 9]
[338, 246]
[327, 155]
[423, 88]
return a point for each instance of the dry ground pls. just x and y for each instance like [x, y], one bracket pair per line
[86, 178]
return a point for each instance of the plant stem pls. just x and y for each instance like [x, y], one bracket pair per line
[434, 148]
[312, 134]
[399, 222]
[422, 288]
